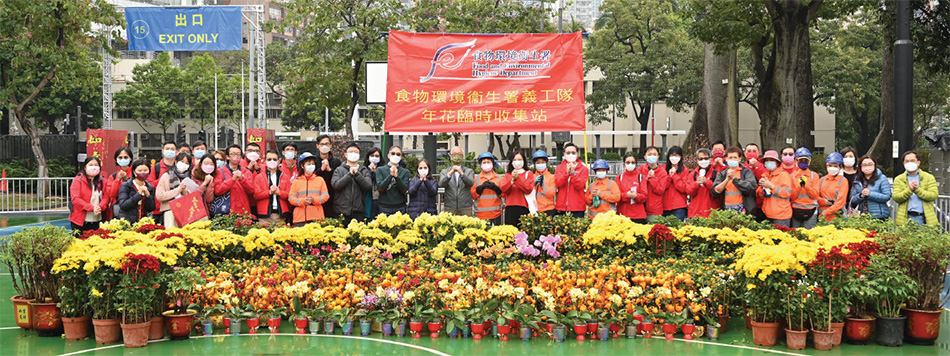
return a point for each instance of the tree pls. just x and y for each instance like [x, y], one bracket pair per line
[645, 55]
[155, 94]
[41, 42]
[338, 38]
[81, 88]
[198, 78]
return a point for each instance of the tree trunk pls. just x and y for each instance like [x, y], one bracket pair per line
[787, 109]
[720, 100]
[644, 119]
[697, 135]
[881, 148]
[491, 143]
[42, 170]
[354, 98]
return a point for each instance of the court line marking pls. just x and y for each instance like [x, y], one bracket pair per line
[435, 352]
[9, 327]
[736, 346]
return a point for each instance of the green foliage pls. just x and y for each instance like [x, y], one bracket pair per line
[180, 285]
[611, 156]
[891, 287]
[473, 16]
[720, 219]
[154, 96]
[570, 229]
[29, 255]
[923, 253]
[73, 293]
[670, 222]
[26, 168]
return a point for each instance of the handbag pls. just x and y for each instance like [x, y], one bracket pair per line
[802, 214]
[221, 205]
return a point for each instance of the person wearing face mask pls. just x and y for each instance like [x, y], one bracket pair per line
[570, 178]
[136, 197]
[545, 190]
[308, 192]
[371, 198]
[326, 165]
[203, 173]
[175, 184]
[272, 188]
[850, 169]
[220, 159]
[718, 150]
[392, 182]
[351, 182]
[289, 160]
[775, 189]
[699, 185]
[254, 163]
[871, 191]
[486, 192]
[167, 163]
[123, 158]
[603, 194]
[657, 183]
[832, 189]
[233, 186]
[457, 180]
[754, 163]
[633, 191]
[788, 160]
[674, 199]
[199, 149]
[86, 193]
[805, 194]
[423, 192]
[517, 188]
[915, 192]
[736, 184]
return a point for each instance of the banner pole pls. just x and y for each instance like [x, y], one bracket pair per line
[585, 159]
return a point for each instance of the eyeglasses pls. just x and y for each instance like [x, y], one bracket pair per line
[867, 165]
[235, 155]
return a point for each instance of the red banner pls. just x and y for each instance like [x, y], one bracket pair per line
[103, 144]
[262, 137]
[485, 83]
[189, 208]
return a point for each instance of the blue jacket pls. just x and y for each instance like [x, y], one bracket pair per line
[880, 194]
[422, 196]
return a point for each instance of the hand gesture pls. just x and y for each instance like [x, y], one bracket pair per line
[753, 161]
[422, 178]
[865, 192]
[458, 169]
[372, 167]
[736, 174]
[701, 180]
[208, 180]
[353, 170]
[765, 183]
[631, 194]
[274, 190]
[718, 161]
[121, 175]
[393, 171]
[252, 165]
[238, 175]
[914, 185]
[651, 174]
[595, 191]
[143, 191]
[308, 200]
[325, 166]
[672, 171]
[97, 210]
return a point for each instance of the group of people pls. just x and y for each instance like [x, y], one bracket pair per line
[284, 187]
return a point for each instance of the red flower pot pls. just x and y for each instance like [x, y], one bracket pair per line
[503, 331]
[615, 329]
[487, 327]
[688, 330]
[477, 330]
[514, 325]
[923, 326]
[253, 324]
[434, 329]
[46, 319]
[22, 313]
[179, 325]
[273, 324]
[592, 328]
[639, 326]
[858, 331]
[550, 329]
[156, 329]
[764, 334]
[416, 328]
[647, 329]
[76, 328]
[107, 331]
[301, 325]
[669, 330]
[580, 330]
[135, 335]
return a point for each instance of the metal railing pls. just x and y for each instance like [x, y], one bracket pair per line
[942, 206]
[27, 195]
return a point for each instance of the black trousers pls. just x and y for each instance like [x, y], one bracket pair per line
[513, 214]
[87, 226]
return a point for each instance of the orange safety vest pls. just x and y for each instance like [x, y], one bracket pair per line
[836, 190]
[609, 196]
[777, 206]
[546, 194]
[488, 204]
[804, 197]
[732, 195]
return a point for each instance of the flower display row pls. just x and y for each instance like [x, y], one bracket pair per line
[458, 276]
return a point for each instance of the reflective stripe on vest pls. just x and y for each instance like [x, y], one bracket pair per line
[840, 181]
[485, 196]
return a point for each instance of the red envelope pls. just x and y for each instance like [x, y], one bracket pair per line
[189, 208]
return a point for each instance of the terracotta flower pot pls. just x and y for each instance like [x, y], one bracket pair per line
[688, 330]
[669, 330]
[823, 339]
[796, 339]
[22, 313]
[890, 331]
[157, 329]
[838, 329]
[179, 325]
[764, 334]
[647, 329]
[107, 331]
[76, 328]
[858, 331]
[47, 320]
[504, 330]
[923, 326]
[301, 325]
[580, 330]
[135, 335]
[723, 320]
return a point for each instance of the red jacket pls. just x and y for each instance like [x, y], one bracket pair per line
[656, 187]
[634, 208]
[758, 170]
[112, 189]
[514, 191]
[80, 192]
[675, 196]
[701, 200]
[571, 187]
[240, 190]
[158, 169]
[262, 193]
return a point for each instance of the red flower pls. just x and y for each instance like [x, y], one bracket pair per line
[102, 233]
[156, 285]
[147, 228]
[140, 263]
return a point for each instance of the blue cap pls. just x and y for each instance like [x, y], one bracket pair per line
[486, 154]
[834, 157]
[303, 156]
[539, 154]
[802, 152]
[600, 164]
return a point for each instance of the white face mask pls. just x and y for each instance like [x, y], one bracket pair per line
[704, 163]
[181, 166]
[601, 174]
[272, 164]
[833, 171]
[517, 164]
[570, 157]
[540, 167]
[631, 167]
[253, 156]
[310, 168]
[352, 156]
[395, 159]
[910, 166]
[487, 167]
[675, 159]
[324, 149]
[849, 161]
[423, 172]
[374, 160]
[289, 155]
